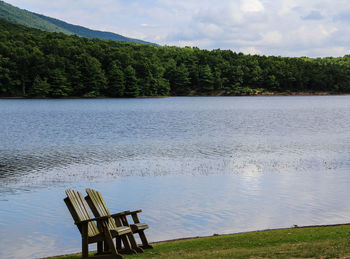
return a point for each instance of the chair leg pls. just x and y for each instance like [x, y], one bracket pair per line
[118, 243]
[84, 241]
[109, 242]
[134, 244]
[145, 244]
[127, 247]
[105, 247]
[99, 248]
[85, 249]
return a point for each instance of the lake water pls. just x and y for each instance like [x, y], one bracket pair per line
[196, 166]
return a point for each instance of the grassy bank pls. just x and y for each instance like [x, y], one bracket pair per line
[305, 242]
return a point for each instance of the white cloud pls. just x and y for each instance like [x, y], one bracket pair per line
[250, 50]
[248, 6]
[271, 38]
[285, 27]
[314, 35]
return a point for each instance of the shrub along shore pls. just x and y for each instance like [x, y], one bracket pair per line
[331, 241]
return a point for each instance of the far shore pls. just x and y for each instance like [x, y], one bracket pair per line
[190, 95]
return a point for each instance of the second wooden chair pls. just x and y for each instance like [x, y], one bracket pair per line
[100, 209]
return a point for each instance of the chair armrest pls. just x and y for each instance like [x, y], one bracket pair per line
[123, 213]
[128, 212]
[94, 219]
[135, 211]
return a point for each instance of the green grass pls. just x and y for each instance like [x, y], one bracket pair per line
[315, 242]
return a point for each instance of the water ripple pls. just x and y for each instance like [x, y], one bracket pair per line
[196, 166]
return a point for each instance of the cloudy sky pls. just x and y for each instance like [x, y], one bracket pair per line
[314, 28]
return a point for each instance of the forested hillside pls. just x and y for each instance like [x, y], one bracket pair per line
[42, 22]
[34, 63]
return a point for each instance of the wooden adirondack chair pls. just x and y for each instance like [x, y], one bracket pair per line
[90, 233]
[100, 209]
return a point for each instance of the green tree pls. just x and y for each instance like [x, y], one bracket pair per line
[22, 63]
[5, 79]
[116, 82]
[131, 87]
[59, 85]
[40, 88]
[272, 83]
[206, 79]
[181, 80]
[162, 86]
[144, 74]
[233, 80]
[92, 76]
[218, 81]
[178, 77]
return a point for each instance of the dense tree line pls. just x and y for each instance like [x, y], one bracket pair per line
[34, 63]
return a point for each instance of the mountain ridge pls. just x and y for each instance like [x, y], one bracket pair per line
[46, 23]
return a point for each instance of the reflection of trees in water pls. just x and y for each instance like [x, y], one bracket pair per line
[16, 165]
[19, 164]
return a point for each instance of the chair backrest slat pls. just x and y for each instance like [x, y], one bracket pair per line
[74, 197]
[80, 211]
[99, 207]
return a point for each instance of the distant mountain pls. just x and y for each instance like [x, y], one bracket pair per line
[42, 22]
